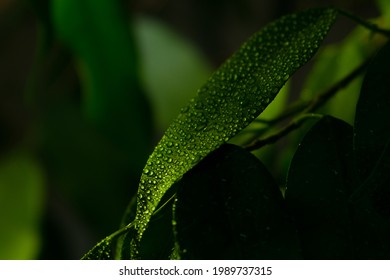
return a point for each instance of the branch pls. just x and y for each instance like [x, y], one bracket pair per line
[313, 105]
[369, 25]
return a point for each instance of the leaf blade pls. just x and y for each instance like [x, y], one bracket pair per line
[319, 183]
[233, 96]
[372, 122]
[229, 207]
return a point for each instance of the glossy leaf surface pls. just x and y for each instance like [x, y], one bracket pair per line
[233, 96]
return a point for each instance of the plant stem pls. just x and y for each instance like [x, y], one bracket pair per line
[313, 105]
[369, 25]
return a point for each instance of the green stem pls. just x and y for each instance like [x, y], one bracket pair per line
[312, 106]
[369, 25]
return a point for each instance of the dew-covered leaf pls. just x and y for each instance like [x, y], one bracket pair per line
[372, 123]
[101, 251]
[233, 96]
[320, 180]
[107, 248]
[229, 207]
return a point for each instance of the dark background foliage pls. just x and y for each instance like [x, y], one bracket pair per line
[76, 179]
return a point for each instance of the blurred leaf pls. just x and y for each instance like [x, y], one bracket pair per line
[233, 97]
[384, 7]
[86, 168]
[320, 180]
[333, 64]
[22, 202]
[372, 125]
[97, 32]
[163, 55]
[229, 207]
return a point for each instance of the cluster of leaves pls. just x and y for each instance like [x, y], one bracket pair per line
[200, 198]
[206, 191]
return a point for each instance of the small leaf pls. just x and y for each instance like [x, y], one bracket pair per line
[372, 123]
[320, 180]
[105, 249]
[229, 207]
[233, 96]
[101, 251]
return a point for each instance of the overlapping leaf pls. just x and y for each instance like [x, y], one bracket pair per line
[372, 137]
[372, 124]
[229, 207]
[233, 96]
[319, 183]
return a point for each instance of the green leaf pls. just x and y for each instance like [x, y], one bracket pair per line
[233, 96]
[82, 163]
[97, 32]
[105, 249]
[372, 123]
[371, 212]
[230, 207]
[333, 64]
[320, 181]
[22, 185]
[384, 7]
[161, 49]
[371, 201]
[101, 251]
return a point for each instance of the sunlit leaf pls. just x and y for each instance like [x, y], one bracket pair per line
[233, 96]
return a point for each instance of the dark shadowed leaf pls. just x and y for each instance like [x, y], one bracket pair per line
[233, 97]
[371, 201]
[229, 207]
[372, 123]
[319, 183]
